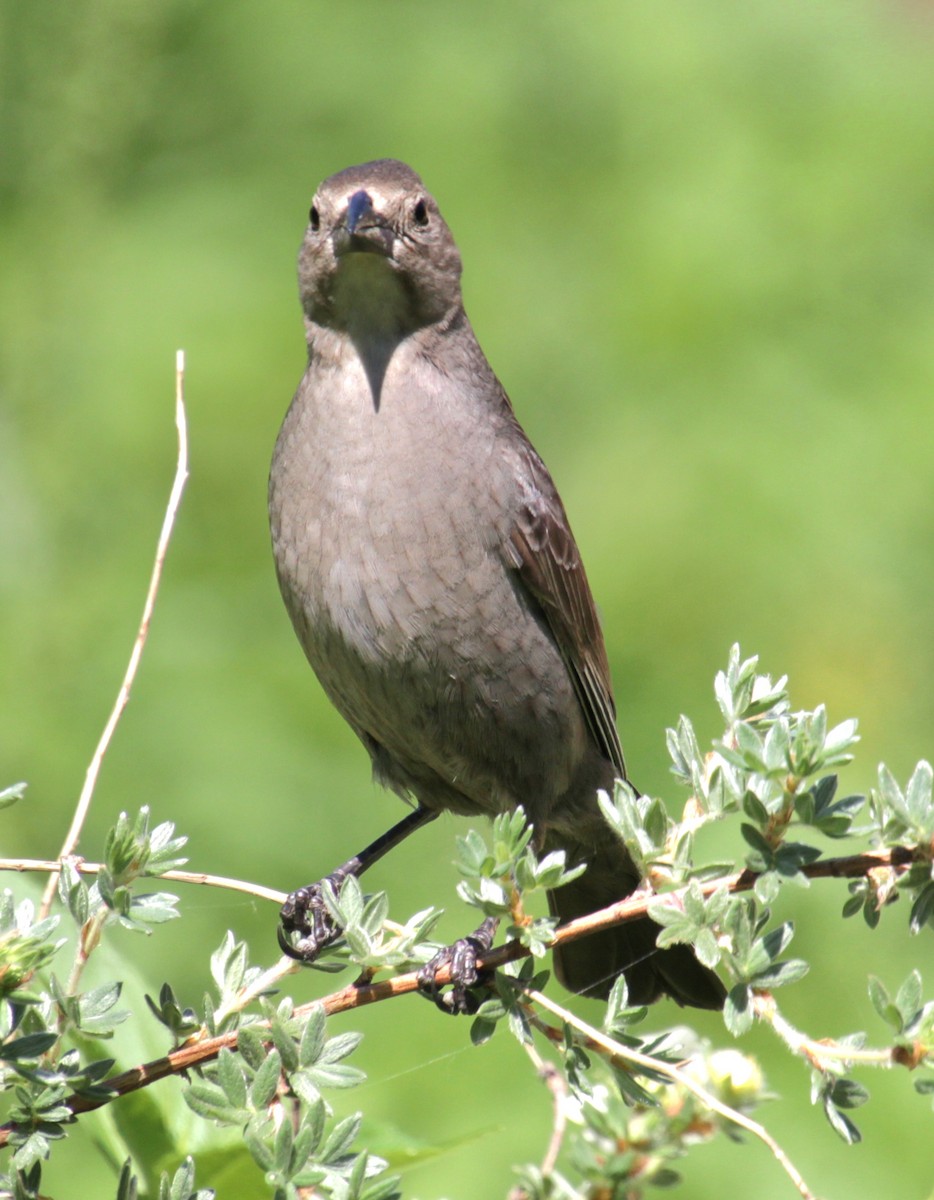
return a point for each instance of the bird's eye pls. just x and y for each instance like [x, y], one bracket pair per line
[314, 219]
[420, 213]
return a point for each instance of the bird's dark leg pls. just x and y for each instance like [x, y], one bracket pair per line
[461, 957]
[305, 912]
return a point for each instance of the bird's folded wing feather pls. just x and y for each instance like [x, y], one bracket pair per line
[542, 549]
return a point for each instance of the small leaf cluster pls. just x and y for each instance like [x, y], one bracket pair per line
[774, 767]
[26, 945]
[496, 876]
[168, 1011]
[731, 931]
[623, 1146]
[507, 1002]
[368, 939]
[232, 975]
[642, 822]
[911, 1020]
[774, 770]
[273, 1088]
[619, 1022]
[900, 817]
[49, 1028]
[131, 852]
[38, 1089]
[181, 1186]
[769, 768]
[835, 1092]
[754, 961]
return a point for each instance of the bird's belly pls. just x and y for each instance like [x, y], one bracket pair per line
[422, 639]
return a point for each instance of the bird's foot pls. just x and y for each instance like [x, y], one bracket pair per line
[306, 913]
[466, 980]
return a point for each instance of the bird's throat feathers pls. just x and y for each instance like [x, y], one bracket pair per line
[370, 297]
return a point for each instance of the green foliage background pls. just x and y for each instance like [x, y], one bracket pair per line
[699, 248]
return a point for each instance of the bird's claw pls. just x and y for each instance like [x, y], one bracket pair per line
[306, 913]
[466, 980]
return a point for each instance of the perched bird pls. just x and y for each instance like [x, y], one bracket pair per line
[430, 572]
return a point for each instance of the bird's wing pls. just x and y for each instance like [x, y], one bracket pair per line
[543, 550]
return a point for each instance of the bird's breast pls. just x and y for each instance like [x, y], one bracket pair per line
[376, 505]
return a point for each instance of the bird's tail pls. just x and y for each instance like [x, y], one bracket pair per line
[591, 965]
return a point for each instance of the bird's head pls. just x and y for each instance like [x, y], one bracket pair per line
[377, 254]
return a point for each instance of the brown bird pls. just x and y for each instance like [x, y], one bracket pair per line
[430, 572]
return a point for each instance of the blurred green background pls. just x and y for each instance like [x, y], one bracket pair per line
[699, 248]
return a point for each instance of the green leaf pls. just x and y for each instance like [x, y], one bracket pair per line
[209, 1101]
[252, 1048]
[922, 909]
[13, 793]
[339, 1047]
[755, 839]
[313, 1037]
[882, 1003]
[777, 940]
[908, 998]
[231, 1078]
[481, 1030]
[282, 1148]
[350, 901]
[228, 964]
[94, 1010]
[706, 948]
[31, 1151]
[750, 747]
[154, 908]
[163, 848]
[357, 1173]
[285, 1045]
[767, 887]
[375, 912]
[341, 1138]
[847, 1093]
[754, 808]
[126, 1185]
[29, 1047]
[386, 1187]
[266, 1081]
[340, 1075]
[842, 1124]
[738, 1011]
[918, 796]
[781, 974]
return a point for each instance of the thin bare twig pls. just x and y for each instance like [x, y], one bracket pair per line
[90, 779]
[820, 1054]
[195, 877]
[554, 1081]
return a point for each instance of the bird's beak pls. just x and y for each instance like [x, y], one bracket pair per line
[362, 228]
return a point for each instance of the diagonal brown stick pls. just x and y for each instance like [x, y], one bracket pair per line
[202, 1050]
